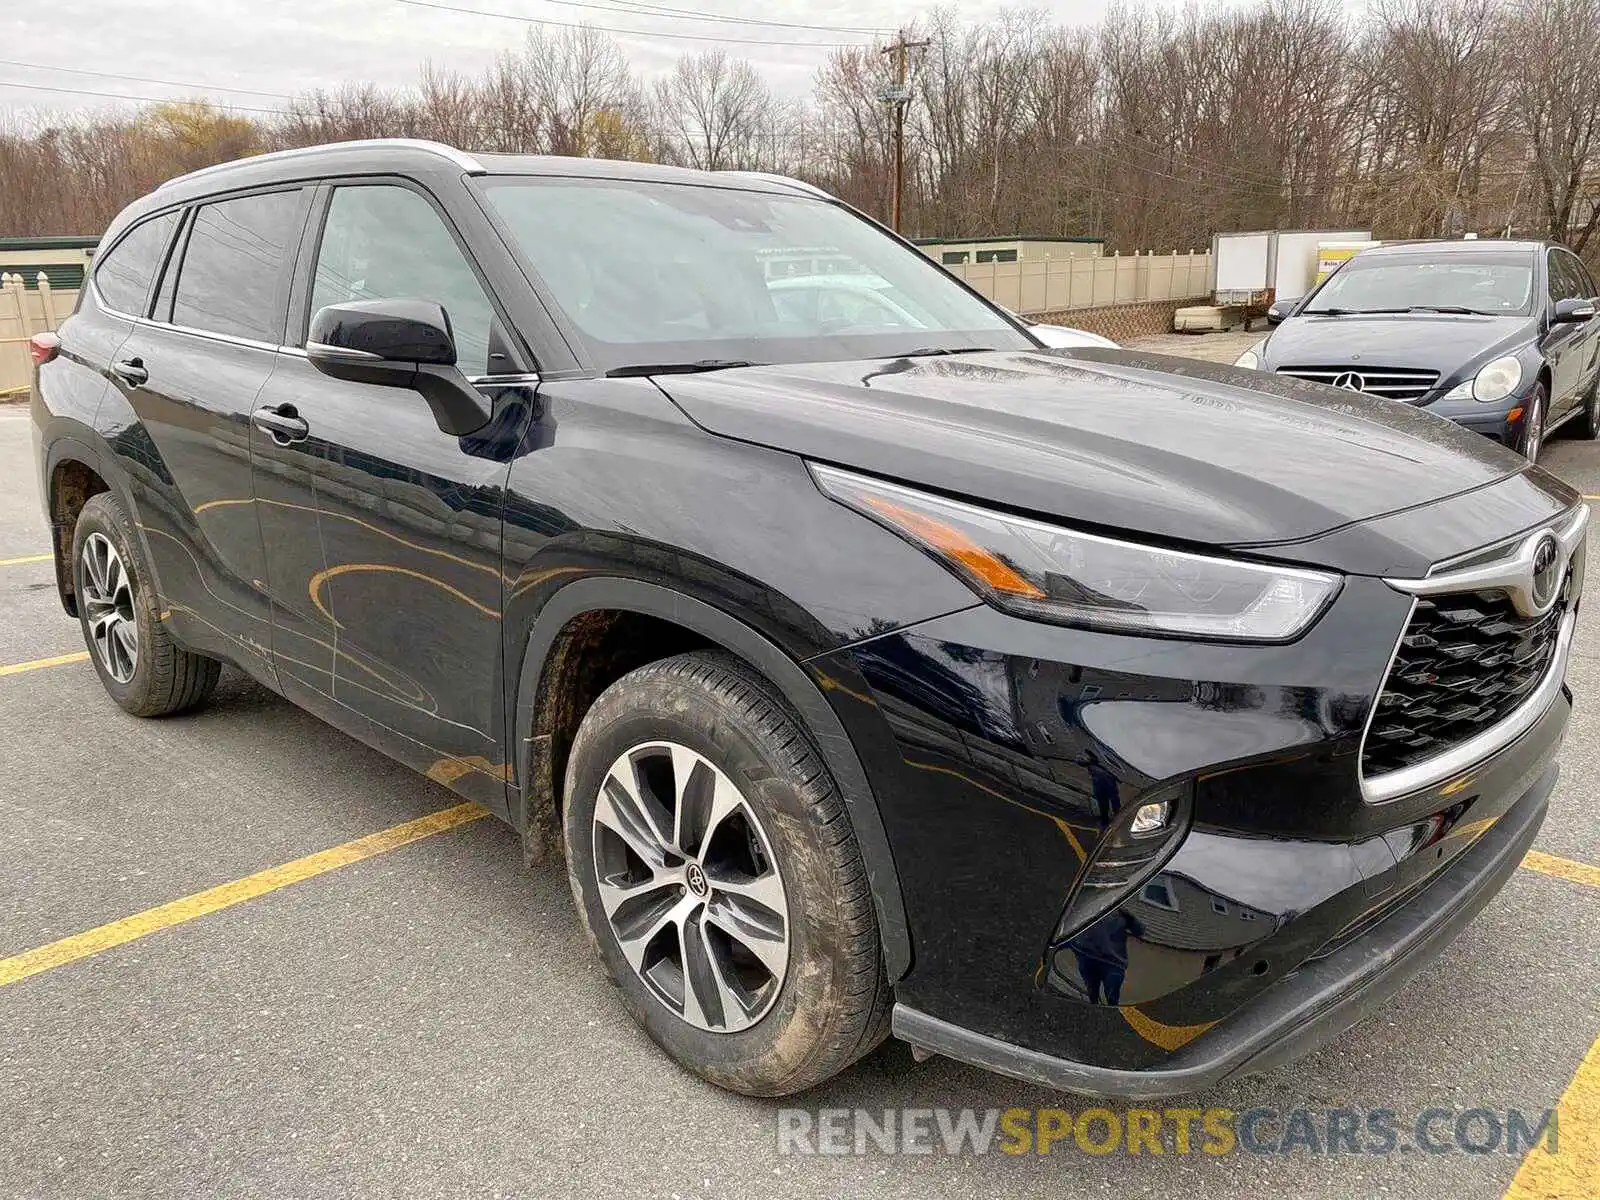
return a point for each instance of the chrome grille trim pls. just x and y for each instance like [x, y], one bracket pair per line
[1503, 571]
[1393, 784]
[1386, 383]
[1506, 571]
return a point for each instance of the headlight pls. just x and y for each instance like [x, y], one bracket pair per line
[1250, 360]
[1054, 574]
[1494, 381]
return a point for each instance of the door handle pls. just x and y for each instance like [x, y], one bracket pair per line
[282, 422]
[131, 371]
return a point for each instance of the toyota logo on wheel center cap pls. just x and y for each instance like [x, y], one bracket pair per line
[1350, 382]
[696, 879]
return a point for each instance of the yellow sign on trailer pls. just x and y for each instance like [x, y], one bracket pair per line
[1333, 255]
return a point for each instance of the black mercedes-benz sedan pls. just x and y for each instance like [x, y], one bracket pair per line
[1115, 721]
[1499, 337]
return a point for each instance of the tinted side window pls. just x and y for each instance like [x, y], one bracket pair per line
[123, 276]
[1565, 283]
[383, 242]
[233, 264]
[1579, 274]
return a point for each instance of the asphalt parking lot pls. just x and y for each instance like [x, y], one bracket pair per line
[427, 1020]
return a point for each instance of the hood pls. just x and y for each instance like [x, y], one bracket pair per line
[1166, 447]
[1438, 342]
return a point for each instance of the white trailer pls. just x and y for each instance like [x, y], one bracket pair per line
[1251, 268]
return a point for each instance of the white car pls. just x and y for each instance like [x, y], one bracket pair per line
[1063, 337]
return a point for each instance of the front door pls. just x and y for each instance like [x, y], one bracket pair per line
[1567, 346]
[409, 518]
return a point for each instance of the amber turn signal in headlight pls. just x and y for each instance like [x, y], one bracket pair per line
[1051, 573]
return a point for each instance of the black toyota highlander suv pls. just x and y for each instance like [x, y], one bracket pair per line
[1116, 722]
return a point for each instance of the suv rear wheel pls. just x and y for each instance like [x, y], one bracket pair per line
[142, 668]
[719, 880]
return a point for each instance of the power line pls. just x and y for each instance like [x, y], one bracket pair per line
[661, 10]
[39, 87]
[633, 33]
[210, 87]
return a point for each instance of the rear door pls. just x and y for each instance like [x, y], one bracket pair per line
[191, 374]
[124, 278]
[409, 518]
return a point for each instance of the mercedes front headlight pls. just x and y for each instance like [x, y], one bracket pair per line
[1250, 360]
[1494, 381]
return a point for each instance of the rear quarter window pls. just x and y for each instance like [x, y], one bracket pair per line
[124, 273]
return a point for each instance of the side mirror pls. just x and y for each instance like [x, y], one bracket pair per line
[1568, 312]
[398, 343]
[1281, 309]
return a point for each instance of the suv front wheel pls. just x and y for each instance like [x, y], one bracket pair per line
[719, 880]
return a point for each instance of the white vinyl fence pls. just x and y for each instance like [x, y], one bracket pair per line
[24, 312]
[1056, 284]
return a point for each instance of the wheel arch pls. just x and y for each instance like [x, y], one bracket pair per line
[536, 761]
[74, 470]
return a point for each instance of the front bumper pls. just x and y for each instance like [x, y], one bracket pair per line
[1501, 420]
[1004, 753]
[1301, 1011]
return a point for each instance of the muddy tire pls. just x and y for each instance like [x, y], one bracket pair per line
[142, 668]
[719, 880]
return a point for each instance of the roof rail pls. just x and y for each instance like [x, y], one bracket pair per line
[772, 177]
[461, 159]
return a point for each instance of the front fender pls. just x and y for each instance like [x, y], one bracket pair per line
[597, 593]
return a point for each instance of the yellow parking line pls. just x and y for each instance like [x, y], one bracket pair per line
[1573, 1171]
[26, 558]
[59, 660]
[176, 912]
[1562, 868]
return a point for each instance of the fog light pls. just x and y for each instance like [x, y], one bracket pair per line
[1150, 818]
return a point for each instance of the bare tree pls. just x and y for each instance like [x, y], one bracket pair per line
[714, 110]
[1553, 56]
[1154, 129]
[575, 75]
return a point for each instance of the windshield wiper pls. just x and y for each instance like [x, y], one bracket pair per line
[1449, 309]
[930, 351]
[678, 368]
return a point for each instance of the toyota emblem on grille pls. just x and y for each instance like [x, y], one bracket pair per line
[1349, 381]
[1545, 578]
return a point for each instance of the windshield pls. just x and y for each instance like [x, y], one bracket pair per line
[660, 273]
[1494, 283]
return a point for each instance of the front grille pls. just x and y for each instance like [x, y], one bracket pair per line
[1387, 383]
[1464, 663]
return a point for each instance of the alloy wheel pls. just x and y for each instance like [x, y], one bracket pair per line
[108, 607]
[1534, 434]
[690, 887]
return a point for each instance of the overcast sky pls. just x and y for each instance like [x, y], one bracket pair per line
[282, 47]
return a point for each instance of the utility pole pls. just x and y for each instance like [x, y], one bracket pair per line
[899, 95]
